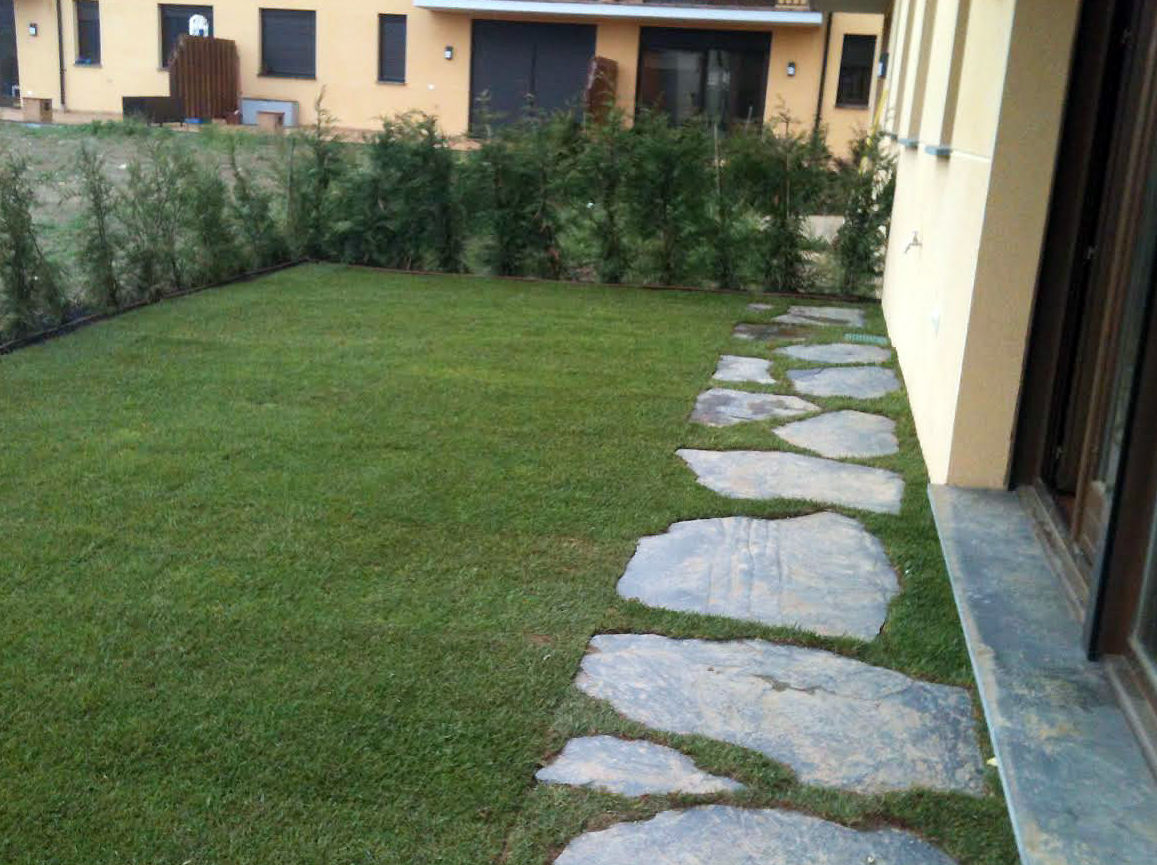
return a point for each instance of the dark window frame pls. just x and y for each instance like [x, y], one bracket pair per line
[267, 16]
[87, 32]
[388, 57]
[175, 10]
[854, 84]
[749, 45]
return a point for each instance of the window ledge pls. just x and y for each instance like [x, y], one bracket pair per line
[288, 75]
[391, 81]
[909, 143]
[940, 151]
[1076, 780]
[80, 64]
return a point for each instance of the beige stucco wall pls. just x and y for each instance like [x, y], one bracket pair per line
[967, 229]
[844, 124]
[347, 61]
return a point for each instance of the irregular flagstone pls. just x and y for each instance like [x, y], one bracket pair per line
[724, 407]
[766, 332]
[630, 768]
[725, 835]
[862, 382]
[823, 573]
[837, 722]
[737, 368]
[842, 434]
[773, 474]
[822, 316]
[837, 352]
[759, 307]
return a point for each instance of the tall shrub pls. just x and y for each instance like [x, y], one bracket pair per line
[862, 240]
[316, 164]
[211, 236]
[781, 173]
[254, 213]
[100, 236]
[667, 183]
[152, 213]
[30, 290]
[401, 209]
[513, 185]
[600, 173]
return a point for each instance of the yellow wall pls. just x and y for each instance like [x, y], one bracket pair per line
[958, 299]
[844, 124]
[347, 61]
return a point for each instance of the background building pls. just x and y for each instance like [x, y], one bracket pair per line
[449, 57]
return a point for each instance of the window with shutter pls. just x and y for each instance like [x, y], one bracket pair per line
[289, 43]
[392, 48]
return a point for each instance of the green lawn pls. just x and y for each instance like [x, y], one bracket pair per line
[300, 571]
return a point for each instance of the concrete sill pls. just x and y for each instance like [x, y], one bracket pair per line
[1078, 786]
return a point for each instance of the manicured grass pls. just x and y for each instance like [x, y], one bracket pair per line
[301, 570]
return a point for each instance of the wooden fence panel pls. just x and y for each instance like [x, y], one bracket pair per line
[205, 73]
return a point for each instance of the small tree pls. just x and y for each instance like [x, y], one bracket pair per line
[666, 192]
[401, 210]
[253, 212]
[210, 233]
[151, 209]
[599, 176]
[99, 235]
[780, 173]
[30, 290]
[316, 164]
[862, 240]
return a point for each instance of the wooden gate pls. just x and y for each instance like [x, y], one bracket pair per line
[204, 72]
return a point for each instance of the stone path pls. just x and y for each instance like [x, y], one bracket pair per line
[822, 573]
[843, 434]
[630, 769]
[774, 474]
[837, 722]
[837, 352]
[721, 835]
[822, 315]
[724, 407]
[767, 332]
[861, 382]
[737, 368]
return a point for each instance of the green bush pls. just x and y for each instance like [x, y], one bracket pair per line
[254, 212]
[401, 210]
[210, 235]
[150, 206]
[862, 240]
[100, 238]
[316, 164]
[31, 296]
[668, 180]
[513, 184]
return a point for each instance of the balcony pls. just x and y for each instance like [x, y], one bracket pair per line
[786, 13]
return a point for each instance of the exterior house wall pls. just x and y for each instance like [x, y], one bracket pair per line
[347, 57]
[968, 226]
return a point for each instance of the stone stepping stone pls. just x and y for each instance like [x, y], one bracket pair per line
[862, 382]
[837, 352]
[725, 835]
[630, 769]
[759, 307]
[766, 332]
[734, 367]
[837, 722]
[823, 316]
[724, 407]
[843, 434]
[773, 474]
[822, 573]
